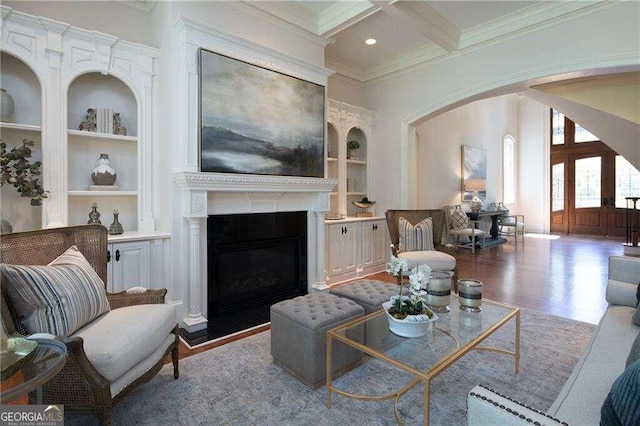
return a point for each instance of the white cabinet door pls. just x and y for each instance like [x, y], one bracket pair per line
[129, 265]
[342, 248]
[350, 245]
[373, 243]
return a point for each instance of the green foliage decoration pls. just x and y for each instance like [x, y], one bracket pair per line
[353, 144]
[19, 171]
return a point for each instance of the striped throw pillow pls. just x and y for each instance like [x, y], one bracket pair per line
[415, 238]
[58, 298]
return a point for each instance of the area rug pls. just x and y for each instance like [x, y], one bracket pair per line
[238, 384]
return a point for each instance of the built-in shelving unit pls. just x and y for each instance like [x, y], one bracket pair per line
[94, 90]
[54, 79]
[351, 168]
[25, 123]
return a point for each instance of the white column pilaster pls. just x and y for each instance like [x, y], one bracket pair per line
[194, 321]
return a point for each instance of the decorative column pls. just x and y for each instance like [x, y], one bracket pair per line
[53, 131]
[197, 211]
[322, 206]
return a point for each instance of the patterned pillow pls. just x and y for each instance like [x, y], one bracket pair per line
[415, 238]
[58, 298]
[459, 219]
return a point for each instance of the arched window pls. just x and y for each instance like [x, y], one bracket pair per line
[509, 169]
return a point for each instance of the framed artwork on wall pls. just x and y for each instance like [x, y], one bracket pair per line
[257, 121]
[474, 172]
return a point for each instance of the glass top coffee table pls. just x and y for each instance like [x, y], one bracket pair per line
[450, 337]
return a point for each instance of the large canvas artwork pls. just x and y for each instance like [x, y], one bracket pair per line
[474, 166]
[258, 121]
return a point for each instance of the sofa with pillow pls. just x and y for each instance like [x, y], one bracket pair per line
[611, 356]
[53, 282]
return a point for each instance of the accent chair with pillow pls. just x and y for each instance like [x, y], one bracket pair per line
[53, 282]
[416, 235]
[459, 225]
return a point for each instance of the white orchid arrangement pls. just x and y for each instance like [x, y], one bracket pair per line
[396, 266]
[418, 280]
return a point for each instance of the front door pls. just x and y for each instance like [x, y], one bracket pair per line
[589, 182]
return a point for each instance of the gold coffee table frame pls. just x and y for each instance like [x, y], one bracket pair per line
[436, 368]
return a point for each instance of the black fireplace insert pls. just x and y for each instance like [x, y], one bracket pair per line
[254, 261]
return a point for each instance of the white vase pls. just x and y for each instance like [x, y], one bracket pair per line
[412, 325]
[104, 174]
[6, 106]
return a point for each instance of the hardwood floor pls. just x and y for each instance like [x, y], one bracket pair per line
[557, 274]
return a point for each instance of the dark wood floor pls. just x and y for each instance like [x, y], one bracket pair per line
[557, 274]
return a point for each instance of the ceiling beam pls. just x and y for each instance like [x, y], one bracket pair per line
[344, 14]
[424, 19]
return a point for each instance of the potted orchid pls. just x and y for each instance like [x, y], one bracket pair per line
[409, 316]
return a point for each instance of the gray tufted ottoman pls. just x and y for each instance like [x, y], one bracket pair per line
[299, 336]
[369, 294]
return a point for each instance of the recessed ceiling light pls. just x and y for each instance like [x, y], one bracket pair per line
[370, 41]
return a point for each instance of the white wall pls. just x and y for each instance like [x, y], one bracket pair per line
[604, 38]
[481, 124]
[533, 165]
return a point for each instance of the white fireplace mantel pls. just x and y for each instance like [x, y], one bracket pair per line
[227, 182]
[200, 194]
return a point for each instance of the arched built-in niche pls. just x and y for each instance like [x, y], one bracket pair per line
[23, 85]
[357, 181]
[95, 90]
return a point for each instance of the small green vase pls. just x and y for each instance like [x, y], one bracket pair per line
[116, 227]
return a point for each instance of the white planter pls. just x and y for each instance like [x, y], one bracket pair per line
[412, 325]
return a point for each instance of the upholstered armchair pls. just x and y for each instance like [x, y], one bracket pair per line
[459, 225]
[437, 256]
[127, 336]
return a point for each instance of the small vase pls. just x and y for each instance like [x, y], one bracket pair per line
[103, 175]
[94, 214]
[439, 291]
[6, 106]
[116, 227]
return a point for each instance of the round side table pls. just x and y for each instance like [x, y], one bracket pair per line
[50, 356]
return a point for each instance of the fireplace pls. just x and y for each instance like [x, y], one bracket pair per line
[253, 261]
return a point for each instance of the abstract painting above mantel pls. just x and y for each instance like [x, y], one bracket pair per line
[258, 121]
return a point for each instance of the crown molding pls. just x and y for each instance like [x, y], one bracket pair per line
[343, 14]
[532, 18]
[142, 5]
[344, 68]
[261, 9]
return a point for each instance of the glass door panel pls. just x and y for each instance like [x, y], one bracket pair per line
[587, 213]
[559, 190]
[588, 182]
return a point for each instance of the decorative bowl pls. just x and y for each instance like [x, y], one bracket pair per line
[363, 205]
[412, 326]
[14, 353]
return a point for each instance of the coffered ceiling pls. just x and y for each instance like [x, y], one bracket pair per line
[408, 32]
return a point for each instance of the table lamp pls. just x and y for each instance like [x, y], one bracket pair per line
[475, 185]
